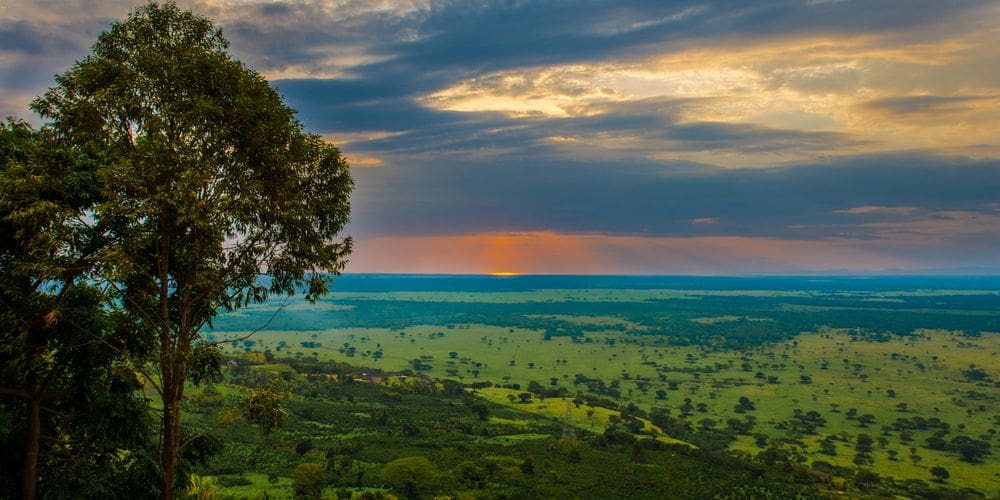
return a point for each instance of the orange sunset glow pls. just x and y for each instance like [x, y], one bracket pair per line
[553, 253]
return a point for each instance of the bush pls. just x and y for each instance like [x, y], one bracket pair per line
[308, 480]
[230, 481]
[408, 473]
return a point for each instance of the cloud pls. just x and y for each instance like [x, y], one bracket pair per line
[679, 127]
[714, 136]
[495, 36]
[927, 105]
[830, 78]
[751, 100]
[23, 37]
[655, 198]
[874, 209]
[364, 161]
[976, 226]
[556, 59]
[624, 131]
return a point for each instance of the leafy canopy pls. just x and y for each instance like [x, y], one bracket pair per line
[70, 403]
[201, 150]
[206, 181]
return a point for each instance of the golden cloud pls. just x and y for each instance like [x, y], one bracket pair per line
[887, 92]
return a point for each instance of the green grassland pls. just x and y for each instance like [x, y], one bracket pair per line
[260, 486]
[353, 431]
[594, 419]
[937, 390]
[808, 378]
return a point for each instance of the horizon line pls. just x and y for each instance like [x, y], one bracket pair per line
[940, 274]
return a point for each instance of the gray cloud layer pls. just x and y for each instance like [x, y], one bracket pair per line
[660, 199]
[362, 71]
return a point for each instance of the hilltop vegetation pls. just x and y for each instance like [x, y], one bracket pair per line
[411, 437]
[853, 401]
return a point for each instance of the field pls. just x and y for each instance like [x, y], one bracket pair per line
[897, 376]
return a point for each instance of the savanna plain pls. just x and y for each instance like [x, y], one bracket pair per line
[614, 387]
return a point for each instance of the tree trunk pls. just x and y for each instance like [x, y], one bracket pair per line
[173, 392]
[29, 471]
[33, 420]
[172, 378]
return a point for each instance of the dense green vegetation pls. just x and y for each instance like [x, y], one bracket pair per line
[860, 400]
[204, 178]
[166, 176]
[410, 437]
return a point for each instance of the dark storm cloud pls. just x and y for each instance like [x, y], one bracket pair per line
[31, 39]
[356, 105]
[32, 53]
[922, 104]
[705, 136]
[482, 37]
[673, 199]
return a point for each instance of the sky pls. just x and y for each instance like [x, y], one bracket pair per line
[621, 137]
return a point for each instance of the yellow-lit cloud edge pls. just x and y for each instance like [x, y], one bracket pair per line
[809, 84]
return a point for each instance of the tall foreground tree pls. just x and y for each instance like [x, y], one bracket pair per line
[208, 181]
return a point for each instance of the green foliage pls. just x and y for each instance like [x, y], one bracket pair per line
[202, 488]
[201, 150]
[308, 480]
[263, 407]
[205, 364]
[233, 480]
[357, 429]
[73, 421]
[644, 342]
[974, 374]
[971, 450]
[408, 474]
[939, 473]
[205, 180]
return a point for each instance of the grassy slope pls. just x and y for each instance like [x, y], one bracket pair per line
[452, 437]
[938, 390]
[594, 419]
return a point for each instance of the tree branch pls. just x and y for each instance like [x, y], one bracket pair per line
[255, 330]
[17, 393]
